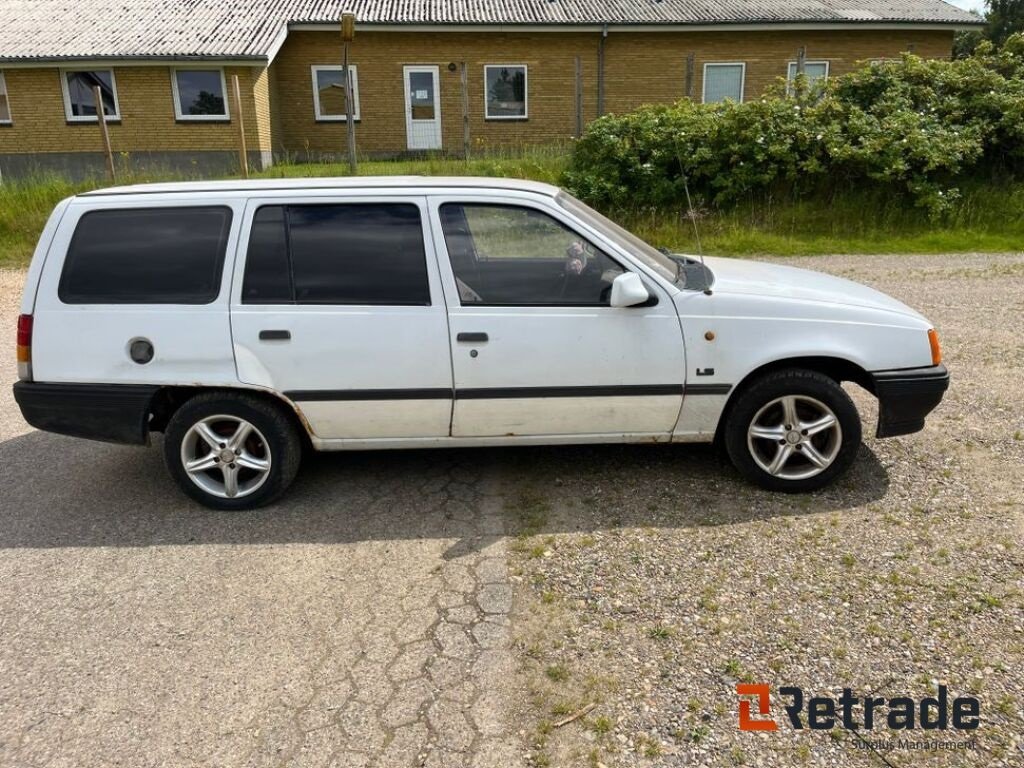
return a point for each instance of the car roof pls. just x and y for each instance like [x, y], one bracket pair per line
[405, 183]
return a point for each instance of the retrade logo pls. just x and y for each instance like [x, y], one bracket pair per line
[855, 712]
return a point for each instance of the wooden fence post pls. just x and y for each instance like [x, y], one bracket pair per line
[579, 98]
[464, 77]
[101, 118]
[243, 155]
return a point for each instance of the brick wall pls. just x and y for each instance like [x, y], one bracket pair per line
[278, 104]
[147, 121]
[380, 57]
[639, 68]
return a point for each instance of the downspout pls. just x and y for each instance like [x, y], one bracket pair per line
[600, 70]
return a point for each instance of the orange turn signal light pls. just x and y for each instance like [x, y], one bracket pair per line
[933, 341]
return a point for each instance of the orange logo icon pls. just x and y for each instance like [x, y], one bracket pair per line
[746, 722]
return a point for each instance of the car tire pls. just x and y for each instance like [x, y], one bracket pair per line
[215, 437]
[778, 432]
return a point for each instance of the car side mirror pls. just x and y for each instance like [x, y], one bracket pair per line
[628, 290]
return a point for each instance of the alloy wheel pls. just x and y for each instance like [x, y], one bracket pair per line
[226, 456]
[794, 437]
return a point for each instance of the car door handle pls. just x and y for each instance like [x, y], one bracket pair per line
[275, 335]
[471, 337]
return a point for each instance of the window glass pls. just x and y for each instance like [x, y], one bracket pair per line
[722, 82]
[813, 70]
[200, 93]
[5, 105]
[81, 102]
[421, 95]
[505, 91]
[329, 92]
[521, 256]
[267, 273]
[146, 256]
[357, 253]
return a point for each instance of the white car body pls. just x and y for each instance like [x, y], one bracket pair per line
[399, 377]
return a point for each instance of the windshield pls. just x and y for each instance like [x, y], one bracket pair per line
[665, 266]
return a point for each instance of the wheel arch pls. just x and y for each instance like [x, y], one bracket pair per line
[168, 399]
[836, 368]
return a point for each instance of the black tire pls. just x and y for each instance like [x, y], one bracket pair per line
[276, 438]
[807, 386]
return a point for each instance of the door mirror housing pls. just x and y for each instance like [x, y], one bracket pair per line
[628, 290]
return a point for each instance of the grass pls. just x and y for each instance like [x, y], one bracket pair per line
[988, 217]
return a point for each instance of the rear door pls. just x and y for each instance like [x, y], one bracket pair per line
[336, 304]
[536, 348]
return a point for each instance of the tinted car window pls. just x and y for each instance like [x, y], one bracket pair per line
[146, 256]
[353, 253]
[513, 255]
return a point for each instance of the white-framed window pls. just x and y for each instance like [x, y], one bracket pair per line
[329, 92]
[723, 81]
[79, 99]
[5, 104]
[199, 94]
[505, 92]
[813, 71]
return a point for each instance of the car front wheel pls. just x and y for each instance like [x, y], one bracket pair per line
[793, 431]
[231, 452]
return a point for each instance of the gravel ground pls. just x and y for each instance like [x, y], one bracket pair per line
[650, 581]
[451, 607]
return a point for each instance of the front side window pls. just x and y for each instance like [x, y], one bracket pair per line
[5, 104]
[815, 71]
[79, 94]
[724, 82]
[199, 94]
[351, 253]
[505, 92]
[146, 256]
[513, 255]
[329, 93]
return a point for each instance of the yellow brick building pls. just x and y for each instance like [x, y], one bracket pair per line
[487, 75]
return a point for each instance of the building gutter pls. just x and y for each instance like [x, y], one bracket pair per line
[96, 62]
[369, 26]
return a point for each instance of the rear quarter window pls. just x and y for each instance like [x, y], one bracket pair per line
[146, 256]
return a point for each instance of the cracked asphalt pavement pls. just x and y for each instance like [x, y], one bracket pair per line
[363, 621]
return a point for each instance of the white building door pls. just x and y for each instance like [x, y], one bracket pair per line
[422, 107]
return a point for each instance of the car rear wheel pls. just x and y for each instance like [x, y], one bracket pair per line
[793, 430]
[231, 452]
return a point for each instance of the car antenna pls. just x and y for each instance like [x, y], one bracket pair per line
[696, 234]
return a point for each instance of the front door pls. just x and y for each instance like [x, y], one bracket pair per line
[536, 348]
[422, 107]
[338, 304]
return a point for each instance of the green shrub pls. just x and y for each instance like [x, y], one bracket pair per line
[914, 127]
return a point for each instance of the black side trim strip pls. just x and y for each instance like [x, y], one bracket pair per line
[708, 389]
[320, 395]
[504, 393]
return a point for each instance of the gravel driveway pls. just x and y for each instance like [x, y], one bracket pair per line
[457, 607]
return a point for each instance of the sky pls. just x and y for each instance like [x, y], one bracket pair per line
[970, 5]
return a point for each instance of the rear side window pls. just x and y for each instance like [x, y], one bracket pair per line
[146, 256]
[352, 253]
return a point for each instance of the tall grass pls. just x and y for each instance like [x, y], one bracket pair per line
[988, 217]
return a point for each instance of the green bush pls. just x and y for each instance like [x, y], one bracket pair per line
[915, 127]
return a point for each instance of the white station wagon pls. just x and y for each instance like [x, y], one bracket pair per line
[245, 320]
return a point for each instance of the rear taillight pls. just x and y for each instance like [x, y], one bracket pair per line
[24, 348]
